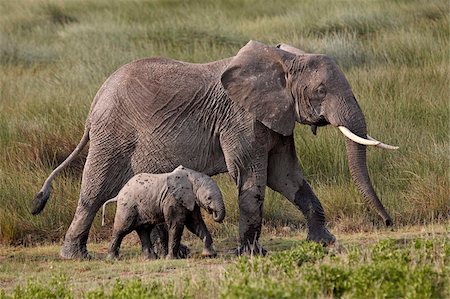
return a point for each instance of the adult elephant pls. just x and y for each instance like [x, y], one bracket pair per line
[235, 115]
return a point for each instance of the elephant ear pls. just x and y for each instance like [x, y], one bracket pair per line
[180, 188]
[256, 79]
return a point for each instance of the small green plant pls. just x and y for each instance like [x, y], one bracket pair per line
[56, 288]
[135, 289]
[306, 252]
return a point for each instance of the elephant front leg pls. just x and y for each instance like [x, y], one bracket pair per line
[250, 221]
[246, 154]
[309, 204]
[197, 226]
[159, 237]
[175, 233]
[285, 177]
[251, 184]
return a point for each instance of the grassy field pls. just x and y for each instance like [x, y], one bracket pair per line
[54, 55]
[413, 262]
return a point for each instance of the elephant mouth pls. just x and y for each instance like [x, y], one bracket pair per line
[217, 217]
[320, 123]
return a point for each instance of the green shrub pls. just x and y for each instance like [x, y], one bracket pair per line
[56, 288]
[136, 289]
[385, 270]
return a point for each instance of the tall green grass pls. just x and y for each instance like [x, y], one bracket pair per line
[54, 56]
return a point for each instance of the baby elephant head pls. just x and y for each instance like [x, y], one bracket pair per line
[190, 187]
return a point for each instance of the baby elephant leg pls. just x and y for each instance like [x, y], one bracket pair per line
[197, 226]
[175, 233]
[113, 251]
[159, 237]
[147, 248]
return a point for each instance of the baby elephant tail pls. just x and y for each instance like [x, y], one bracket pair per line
[103, 209]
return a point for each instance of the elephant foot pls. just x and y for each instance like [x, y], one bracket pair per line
[73, 251]
[172, 257]
[161, 250]
[209, 252]
[159, 239]
[321, 235]
[112, 256]
[184, 251]
[149, 255]
[251, 249]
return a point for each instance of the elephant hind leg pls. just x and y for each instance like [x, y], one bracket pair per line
[116, 241]
[147, 248]
[103, 176]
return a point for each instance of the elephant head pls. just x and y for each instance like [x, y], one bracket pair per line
[283, 85]
[204, 190]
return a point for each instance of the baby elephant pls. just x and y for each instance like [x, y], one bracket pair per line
[174, 198]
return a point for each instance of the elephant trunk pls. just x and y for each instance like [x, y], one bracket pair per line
[351, 117]
[213, 203]
[356, 156]
[208, 195]
[219, 215]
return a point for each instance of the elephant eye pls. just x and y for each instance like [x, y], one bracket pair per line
[321, 91]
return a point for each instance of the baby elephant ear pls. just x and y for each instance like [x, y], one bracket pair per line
[180, 188]
[256, 79]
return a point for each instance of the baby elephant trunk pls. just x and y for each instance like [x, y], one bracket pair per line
[212, 202]
[219, 214]
[209, 196]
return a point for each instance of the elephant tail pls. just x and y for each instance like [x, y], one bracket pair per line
[43, 195]
[103, 209]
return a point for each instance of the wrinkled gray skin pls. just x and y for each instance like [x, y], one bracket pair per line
[235, 115]
[174, 198]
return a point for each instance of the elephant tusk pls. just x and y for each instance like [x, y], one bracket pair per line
[356, 138]
[383, 145]
[363, 141]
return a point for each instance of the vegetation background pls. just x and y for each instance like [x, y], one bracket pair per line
[54, 56]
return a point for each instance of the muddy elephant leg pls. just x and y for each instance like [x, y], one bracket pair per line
[103, 176]
[74, 246]
[285, 177]
[251, 182]
[246, 160]
[147, 248]
[116, 241]
[251, 199]
[175, 233]
[197, 226]
[159, 238]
